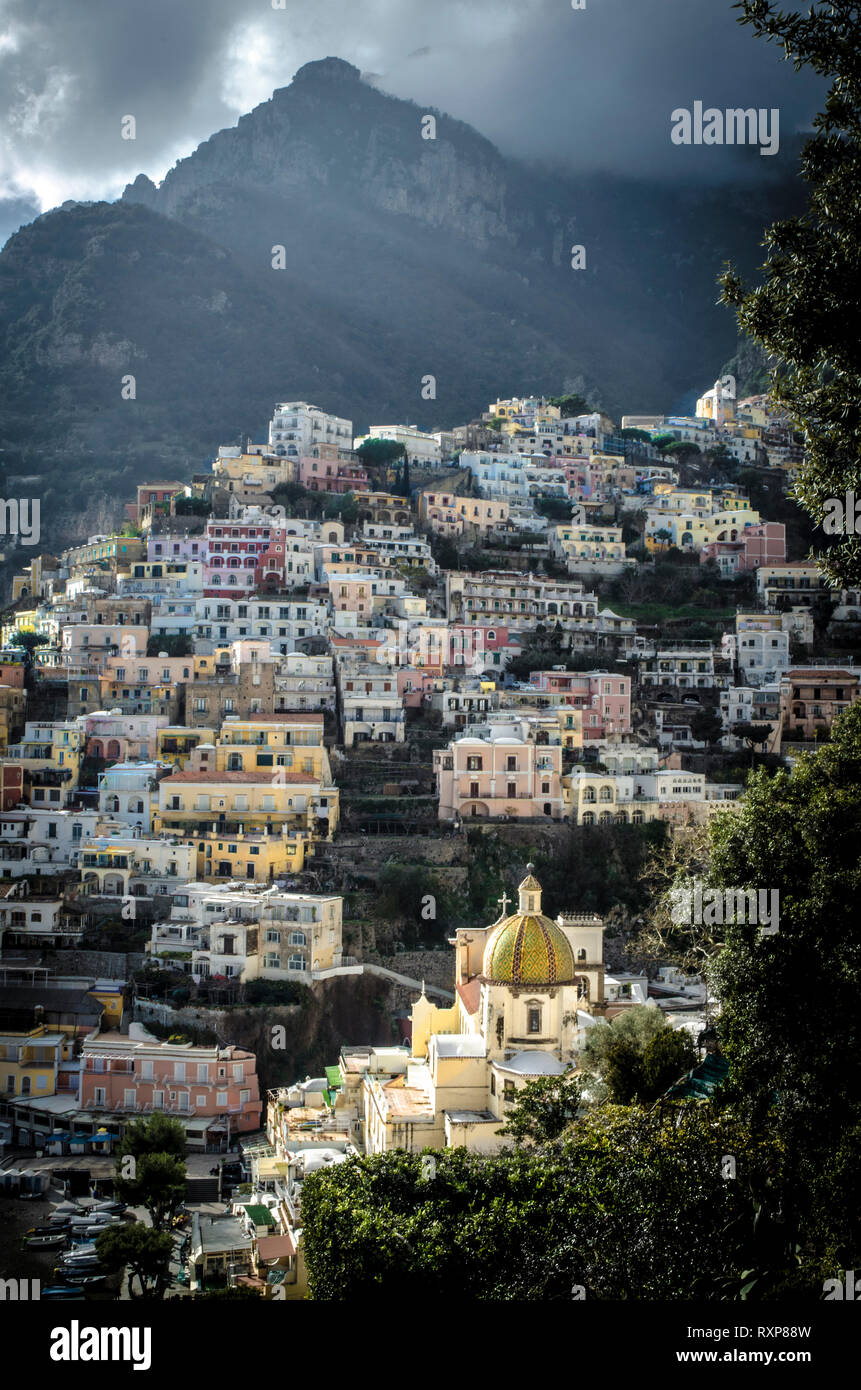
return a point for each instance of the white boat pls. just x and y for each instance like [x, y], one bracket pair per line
[46, 1242]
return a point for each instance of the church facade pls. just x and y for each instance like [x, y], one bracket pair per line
[526, 986]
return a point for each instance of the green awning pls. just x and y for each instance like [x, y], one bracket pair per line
[260, 1215]
[703, 1081]
[333, 1076]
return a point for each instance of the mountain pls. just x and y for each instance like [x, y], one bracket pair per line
[405, 257]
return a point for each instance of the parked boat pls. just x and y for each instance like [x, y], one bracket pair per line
[61, 1291]
[86, 1281]
[46, 1242]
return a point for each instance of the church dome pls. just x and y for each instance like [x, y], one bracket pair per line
[528, 948]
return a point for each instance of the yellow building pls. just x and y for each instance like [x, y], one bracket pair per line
[30, 1062]
[250, 856]
[50, 754]
[692, 530]
[290, 741]
[13, 703]
[176, 744]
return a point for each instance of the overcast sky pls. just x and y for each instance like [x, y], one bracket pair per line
[590, 88]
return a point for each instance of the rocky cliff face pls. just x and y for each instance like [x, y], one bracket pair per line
[331, 133]
[403, 258]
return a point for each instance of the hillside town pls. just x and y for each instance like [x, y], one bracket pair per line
[334, 667]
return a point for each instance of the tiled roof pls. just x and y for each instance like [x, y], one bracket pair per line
[470, 994]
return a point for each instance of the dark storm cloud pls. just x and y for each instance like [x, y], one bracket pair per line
[589, 88]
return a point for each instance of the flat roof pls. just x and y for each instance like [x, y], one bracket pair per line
[459, 1045]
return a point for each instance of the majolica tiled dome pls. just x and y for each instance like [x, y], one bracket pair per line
[528, 948]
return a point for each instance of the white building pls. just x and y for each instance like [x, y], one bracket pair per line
[43, 842]
[421, 448]
[128, 792]
[298, 430]
[233, 931]
[371, 709]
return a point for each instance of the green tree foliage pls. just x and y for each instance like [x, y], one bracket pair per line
[157, 1145]
[158, 1185]
[789, 1023]
[754, 735]
[706, 725]
[614, 1052]
[615, 1209]
[556, 509]
[27, 640]
[669, 1055]
[157, 1133]
[379, 452]
[623, 1071]
[145, 1251]
[345, 507]
[807, 309]
[570, 405]
[543, 1109]
[192, 506]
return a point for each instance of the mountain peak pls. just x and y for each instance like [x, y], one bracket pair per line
[328, 70]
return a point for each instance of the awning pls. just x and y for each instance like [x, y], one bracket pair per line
[260, 1215]
[275, 1247]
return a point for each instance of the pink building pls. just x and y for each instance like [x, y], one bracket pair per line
[604, 695]
[499, 776]
[761, 544]
[12, 673]
[167, 547]
[414, 685]
[584, 477]
[213, 1091]
[332, 475]
[233, 553]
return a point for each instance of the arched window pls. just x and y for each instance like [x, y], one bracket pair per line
[533, 1017]
[296, 963]
[589, 794]
[298, 938]
[606, 794]
[589, 818]
[606, 818]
